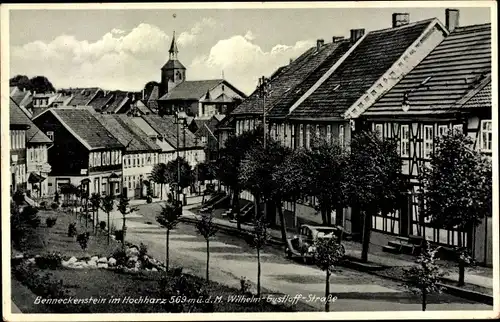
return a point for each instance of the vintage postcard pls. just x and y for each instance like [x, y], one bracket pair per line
[241, 161]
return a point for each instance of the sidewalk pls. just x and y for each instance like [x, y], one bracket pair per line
[352, 250]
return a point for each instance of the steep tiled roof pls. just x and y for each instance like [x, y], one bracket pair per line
[101, 100]
[35, 136]
[481, 99]
[376, 53]
[281, 106]
[119, 98]
[20, 96]
[82, 122]
[81, 97]
[191, 90]
[142, 107]
[167, 127]
[452, 69]
[134, 139]
[286, 78]
[17, 116]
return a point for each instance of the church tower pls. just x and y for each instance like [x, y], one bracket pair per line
[173, 72]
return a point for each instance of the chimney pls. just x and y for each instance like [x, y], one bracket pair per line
[452, 19]
[356, 34]
[336, 39]
[400, 19]
[142, 93]
[319, 43]
[291, 60]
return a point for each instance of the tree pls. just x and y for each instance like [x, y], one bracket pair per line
[375, 182]
[457, 189]
[41, 84]
[159, 175]
[186, 173]
[95, 201]
[123, 208]
[258, 240]
[329, 252]
[169, 218]
[424, 278]
[20, 81]
[206, 227]
[228, 165]
[257, 175]
[325, 165]
[107, 205]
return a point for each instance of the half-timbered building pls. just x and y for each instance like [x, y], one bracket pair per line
[449, 89]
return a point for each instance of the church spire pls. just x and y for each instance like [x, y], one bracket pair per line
[173, 49]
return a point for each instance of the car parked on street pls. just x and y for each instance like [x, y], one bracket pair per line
[302, 245]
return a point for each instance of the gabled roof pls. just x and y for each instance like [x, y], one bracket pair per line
[84, 126]
[191, 90]
[453, 68]
[142, 107]
[155, 93]
[479, 97]
[81, 97]
[20, 96]
[119, 99]
[101, 100]
[372, 57]
[285, 79]
[167, 128]
[127, 133]
[17, 116]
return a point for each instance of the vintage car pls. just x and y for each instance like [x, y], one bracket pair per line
[302, 246]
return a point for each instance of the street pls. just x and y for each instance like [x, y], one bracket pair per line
[231, 258]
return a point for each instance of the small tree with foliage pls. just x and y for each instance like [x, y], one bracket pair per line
[168, 218]
[123, 208]
[186, 173]
[207, 228]
[228, 166]
[329, 252]
[159, 175]
[424, 278]
[95, 202]
[374, 180]
[457, 190]
[107, 205]
[259, 238]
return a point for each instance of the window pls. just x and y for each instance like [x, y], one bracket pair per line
[91, 160]
[405, 140]
[301, 135]
[442, 130]
[204, 139]
[329, 133]
[308, 136]
[374, 92]
[50, 135]
[317, 131]
[341, 135]
[486, 135]
[428, 145]
[379, 130]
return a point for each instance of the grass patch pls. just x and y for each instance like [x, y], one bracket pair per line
[105, 285]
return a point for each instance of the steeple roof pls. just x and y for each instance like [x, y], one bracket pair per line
[173, 46]
[172, 62]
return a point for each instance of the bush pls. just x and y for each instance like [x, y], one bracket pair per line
[83, 240]
[245, 285]
[18, 197]
[149, 199]
[56, 197]
[43, 205]
[72, 230]
[102, 225]
[50, 221]
[50, 261]
[119, 235]
[30, 216]
[54, 206]
[121, 256]
[182, 285]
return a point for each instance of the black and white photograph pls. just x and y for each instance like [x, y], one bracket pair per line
[272, 160]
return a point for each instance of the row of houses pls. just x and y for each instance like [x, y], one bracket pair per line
[411, 82]
[110, 154]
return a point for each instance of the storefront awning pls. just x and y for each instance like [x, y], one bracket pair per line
[35, 178]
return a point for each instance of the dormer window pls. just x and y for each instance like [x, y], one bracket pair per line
[50, 135]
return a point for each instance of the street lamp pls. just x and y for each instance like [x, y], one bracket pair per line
[180, 116]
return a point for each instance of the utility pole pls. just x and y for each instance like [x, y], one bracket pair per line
[178, 161]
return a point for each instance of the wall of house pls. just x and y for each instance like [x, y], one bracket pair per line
[135, 166]
[36, 157]
[18, 159]
[67, 156]
[483, 242]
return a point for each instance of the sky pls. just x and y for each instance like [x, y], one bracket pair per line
[125, 49]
